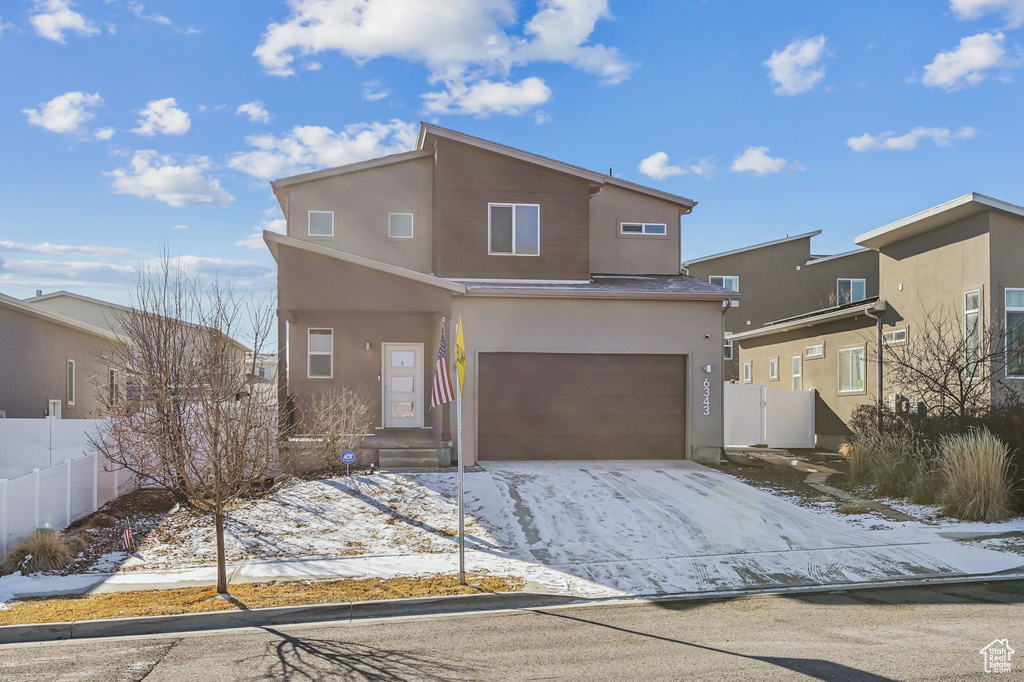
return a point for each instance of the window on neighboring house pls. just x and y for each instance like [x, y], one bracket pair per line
[400, 225]
[851, 369]
[850, 290]
[798, 372]
[773, 369]
[657, 229]
[71, 382]
[895, 337]
[816, 350]
[1014, 301]
[321, 223]
[728, 349]
[972, 331]
[113, 387]
[320, 364]
[748, 372]
[730, 282]
[513, 229]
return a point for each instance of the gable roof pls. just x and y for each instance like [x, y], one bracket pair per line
[64, 320]
[546, 162]
[752, 247]
[351, 168]
[839, 312]
[937, 216]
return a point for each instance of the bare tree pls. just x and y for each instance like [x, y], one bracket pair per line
[334, 421]
[954, 365]
[191, 418]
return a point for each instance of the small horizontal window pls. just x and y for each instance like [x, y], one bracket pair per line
[321, 223]
[400, 225]
[657, 229]
[894, 337]
[815, 350]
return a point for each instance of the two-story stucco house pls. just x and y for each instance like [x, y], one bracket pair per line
[583, 339]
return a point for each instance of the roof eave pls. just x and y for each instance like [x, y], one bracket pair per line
[877, 306]
[752, 247]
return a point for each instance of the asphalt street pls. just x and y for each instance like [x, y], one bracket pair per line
[923, 633]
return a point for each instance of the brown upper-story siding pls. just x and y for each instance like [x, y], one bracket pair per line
[467, 179]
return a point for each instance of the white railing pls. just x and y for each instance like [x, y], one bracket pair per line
[779, 418]
[57, 496]
[27, 444]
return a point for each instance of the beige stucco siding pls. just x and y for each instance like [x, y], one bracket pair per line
[630, 254]
[602, 326]
[361, 202]
[96, 314]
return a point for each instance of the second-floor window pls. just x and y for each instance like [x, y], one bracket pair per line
[513, 229]
[1014, 303]
[321, 223]
[730, 282]
[850, 290]
[658, 229]
[400, 225]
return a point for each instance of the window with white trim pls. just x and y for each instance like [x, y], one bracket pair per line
[815, 350]
[400, 225]
[773, 369]
[852, 368]
[320, 354]
[849, 290]
[728, 349]
[654, 229]
[321, 224]
[513, 229]
[748, 372]
[972, 331]
[894, 337]
[1014, 304]
[798, 372]
[71, 382]
[730, 282]
[113, 387]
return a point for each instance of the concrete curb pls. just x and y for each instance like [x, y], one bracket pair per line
[283, 615]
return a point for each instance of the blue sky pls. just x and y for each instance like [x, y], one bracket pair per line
[125, 126]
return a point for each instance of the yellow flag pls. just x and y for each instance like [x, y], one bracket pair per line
[460, 354]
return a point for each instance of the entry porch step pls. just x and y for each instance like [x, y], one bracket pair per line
[413, 458]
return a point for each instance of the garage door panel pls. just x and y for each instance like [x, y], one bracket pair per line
[581, 406]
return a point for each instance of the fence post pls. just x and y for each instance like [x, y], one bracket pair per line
[35, 486]
[95, 480]
[67, 491]
[49, 441]
[3, 517]
[115, 484]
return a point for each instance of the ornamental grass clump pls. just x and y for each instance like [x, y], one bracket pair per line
[976, 470]
[43, 550]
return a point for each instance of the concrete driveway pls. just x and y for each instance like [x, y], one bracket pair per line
[674, 526]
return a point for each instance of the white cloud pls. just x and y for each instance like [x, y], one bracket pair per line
[461, 42]
[104, 133]
[797, 67]
[484, 97]
[46, 247]
[656, 166]
[942, 137]
[162, 116]
[254, 240]
[757, 161]
[305, 148]
[968, 10]
[55, 270]
[4, 26]
[179, 227]
[966, 64]
[221, 267]
[373, 91]
[65, 113]
[52, 18]
[156, 176]
[255, 111]
[138, 10]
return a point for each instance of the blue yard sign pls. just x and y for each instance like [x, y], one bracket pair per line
[348, 457]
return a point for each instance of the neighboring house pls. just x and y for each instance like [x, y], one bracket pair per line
[960, 260]
[52, 364]
[583, 339]
[265, 379]
[782, 278]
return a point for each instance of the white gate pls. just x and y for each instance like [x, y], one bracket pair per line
[756, 415]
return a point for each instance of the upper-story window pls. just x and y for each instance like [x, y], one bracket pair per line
[656, 229]
[320, 354]
[71, 382]
[513, 229]
[730, 282]
[400, 225]
[1014, 302]
[972, 331]
[850, 290]
[321, 223]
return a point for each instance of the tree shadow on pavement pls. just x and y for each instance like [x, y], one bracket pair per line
[812, 667]
[306, 658]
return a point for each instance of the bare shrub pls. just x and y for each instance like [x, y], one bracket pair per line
[100, 520]
[333, 421]
[852, 508]
[41, 551]
[975, 467]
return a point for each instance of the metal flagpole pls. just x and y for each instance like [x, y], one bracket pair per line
[462, 473]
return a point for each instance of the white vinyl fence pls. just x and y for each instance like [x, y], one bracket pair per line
[27, 444]
[755, 415]
[57, 495]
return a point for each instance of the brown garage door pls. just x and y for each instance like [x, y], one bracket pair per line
[581, 406]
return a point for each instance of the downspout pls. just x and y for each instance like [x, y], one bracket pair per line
[880, 388]
[726, 304]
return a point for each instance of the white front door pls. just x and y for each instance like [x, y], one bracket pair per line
[403, 385]
[54, 408]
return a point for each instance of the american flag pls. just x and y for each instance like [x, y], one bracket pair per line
[442, 392]
[127, 539]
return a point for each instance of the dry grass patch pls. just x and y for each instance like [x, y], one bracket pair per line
[852, 508]
[245, 596]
